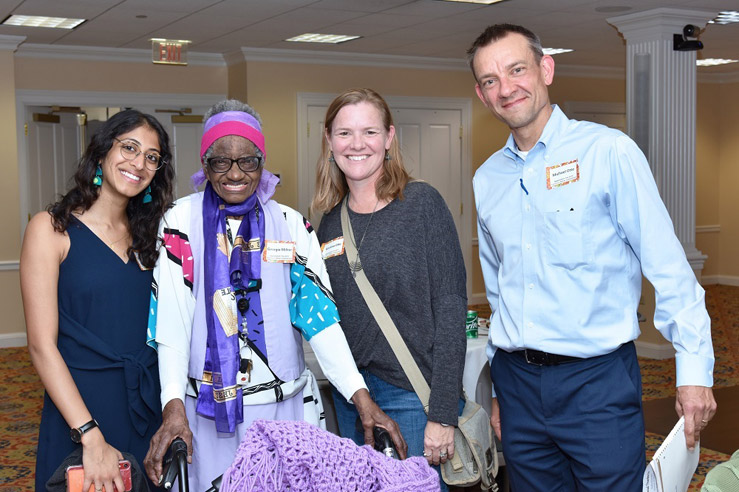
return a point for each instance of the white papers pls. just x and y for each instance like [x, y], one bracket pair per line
[673, 465]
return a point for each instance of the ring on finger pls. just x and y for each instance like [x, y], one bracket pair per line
[704, 421]
[426, 454]
[442, 454]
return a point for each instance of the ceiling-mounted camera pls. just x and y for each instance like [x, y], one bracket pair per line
[687, 41]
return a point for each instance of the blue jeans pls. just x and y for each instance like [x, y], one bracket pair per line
[401, 405]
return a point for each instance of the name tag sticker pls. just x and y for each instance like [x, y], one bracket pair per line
[563, 174]
[279, 252]
[332, 248]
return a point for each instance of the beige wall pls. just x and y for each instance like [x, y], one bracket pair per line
[72, 75]
[708, 167]
[10, 299]
[273, 87]
[727, 111]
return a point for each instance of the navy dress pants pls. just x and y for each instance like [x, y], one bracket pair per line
[576, 426]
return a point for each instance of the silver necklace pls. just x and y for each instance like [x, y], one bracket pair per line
[356, 265]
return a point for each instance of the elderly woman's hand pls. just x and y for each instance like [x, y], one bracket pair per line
[174, 424]
[371, 415]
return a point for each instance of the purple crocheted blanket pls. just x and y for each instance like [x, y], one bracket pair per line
[296, 456]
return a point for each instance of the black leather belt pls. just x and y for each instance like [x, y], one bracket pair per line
[538, 358]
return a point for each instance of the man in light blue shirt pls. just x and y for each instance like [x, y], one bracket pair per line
[569, 217]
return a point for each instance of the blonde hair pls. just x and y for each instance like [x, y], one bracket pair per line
[331, 186]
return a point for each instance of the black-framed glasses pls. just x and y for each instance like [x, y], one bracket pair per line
[247, 164]
[130, 150]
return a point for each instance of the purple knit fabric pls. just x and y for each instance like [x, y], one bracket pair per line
[294, 455]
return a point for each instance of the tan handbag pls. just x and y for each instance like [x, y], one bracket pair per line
[475, 458]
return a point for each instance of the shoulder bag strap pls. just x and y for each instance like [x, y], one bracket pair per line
[420, 386]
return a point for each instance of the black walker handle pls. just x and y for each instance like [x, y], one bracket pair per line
[176, 466]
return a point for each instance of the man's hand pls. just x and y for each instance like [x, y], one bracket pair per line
[495, 418]
[371, 415]
[174, 424]
[697, 405]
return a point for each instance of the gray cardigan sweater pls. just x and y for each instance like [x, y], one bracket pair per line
[412, 258]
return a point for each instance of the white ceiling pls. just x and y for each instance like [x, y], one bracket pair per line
[427, 28]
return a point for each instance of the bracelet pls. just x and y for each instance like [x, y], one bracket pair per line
[444, 425]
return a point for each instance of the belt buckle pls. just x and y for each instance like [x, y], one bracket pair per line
[534, 358]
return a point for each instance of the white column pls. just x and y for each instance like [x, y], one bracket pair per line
[661, 109]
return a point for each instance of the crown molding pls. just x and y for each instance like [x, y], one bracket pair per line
[233, 57]
[10, 43]
[350, 59]
[95, 53]
[130, 55]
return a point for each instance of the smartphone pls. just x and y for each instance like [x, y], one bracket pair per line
[76, 477]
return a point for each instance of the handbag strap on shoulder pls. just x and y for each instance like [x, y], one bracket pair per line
[400, 349]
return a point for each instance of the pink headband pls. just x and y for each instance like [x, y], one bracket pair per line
[231, 123]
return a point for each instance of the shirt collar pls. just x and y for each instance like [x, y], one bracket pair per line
[557, 121]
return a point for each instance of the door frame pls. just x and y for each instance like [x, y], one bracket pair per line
[25, 98]
[464, 105]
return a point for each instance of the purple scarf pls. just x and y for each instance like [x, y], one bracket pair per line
[222, 278]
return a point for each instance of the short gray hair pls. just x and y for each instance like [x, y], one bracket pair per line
[230, 105]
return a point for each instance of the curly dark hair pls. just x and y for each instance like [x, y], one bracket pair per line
[143, 218]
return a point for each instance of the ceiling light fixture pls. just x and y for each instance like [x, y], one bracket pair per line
[40, 21]
[726, 17]
[712, 62]
[322, 38]
[555, 51]
[481, 2]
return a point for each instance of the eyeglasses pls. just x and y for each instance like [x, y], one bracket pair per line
[130, 151]
[247, 164]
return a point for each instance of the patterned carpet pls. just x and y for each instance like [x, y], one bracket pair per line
[20, 405]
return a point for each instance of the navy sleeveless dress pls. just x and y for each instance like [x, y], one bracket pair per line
[103, 313]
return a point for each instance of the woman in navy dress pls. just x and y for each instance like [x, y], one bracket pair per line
[86, 282]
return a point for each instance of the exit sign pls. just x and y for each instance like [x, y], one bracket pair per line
[169, 51]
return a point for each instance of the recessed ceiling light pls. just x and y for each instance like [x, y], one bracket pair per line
[712, 62]
[726, 17]
[483, 2]
[40, 21]
[322, 38]
[555, 51]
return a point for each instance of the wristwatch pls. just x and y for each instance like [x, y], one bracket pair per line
[75, 433]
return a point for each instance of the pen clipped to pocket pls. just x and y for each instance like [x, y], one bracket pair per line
[76, 477]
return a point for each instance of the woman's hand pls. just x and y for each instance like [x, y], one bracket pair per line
[100, 462]
[438, 442]
[174, 424]
[371, 415]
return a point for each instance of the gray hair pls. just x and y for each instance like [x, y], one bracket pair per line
[230, 105]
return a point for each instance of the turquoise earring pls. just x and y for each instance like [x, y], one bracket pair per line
[98, 179]
[147, 196]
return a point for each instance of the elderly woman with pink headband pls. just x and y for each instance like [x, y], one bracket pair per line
[240, 282]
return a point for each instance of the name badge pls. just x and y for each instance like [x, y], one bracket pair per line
[332, 248]
[279, 252]
[563, 174]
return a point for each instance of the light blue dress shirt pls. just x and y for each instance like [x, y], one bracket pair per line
[564, 237]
